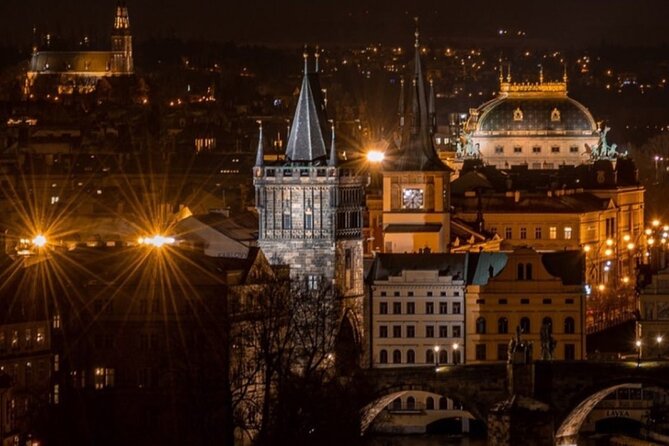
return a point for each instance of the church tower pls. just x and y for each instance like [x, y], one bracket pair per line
[310, 205]
[121, 41]
[416, 184]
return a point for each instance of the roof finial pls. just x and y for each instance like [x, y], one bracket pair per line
[260, 154]
[317, 55]
[332, 162]
[508, 74]
[541, 74]
[306, 59]
[416, 33]
[564, 72]
[501, 72]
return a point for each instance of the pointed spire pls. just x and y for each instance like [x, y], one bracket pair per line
[332, 162]
[508, 72]
[317, 55]
[400, 110]
[432, 109]
[306, 141]
[260, 153]
[305, 55]
[415, 107]
[416, 34]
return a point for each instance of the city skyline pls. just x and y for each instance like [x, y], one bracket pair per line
[570, 23]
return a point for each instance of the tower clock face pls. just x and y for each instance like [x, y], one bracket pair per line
[412, 198]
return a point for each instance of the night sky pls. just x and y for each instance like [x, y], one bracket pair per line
[553, 23]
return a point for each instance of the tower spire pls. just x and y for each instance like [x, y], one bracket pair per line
[432, 109]
[316, 56]
[508, 72]
[400, 110]
[260, 153]
[501, 72]
[564, 71]
[305, 55]
[416, 34]
[332, 162]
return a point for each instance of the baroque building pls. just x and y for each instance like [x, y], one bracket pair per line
[80, 71]
[310, 204]
[533, 124]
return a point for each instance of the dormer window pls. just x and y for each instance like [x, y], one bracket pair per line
[518, 114]
[555, 115]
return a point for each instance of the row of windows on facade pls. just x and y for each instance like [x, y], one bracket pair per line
[430, 357]
[410, 331]
[428, 293]
[567, 232]
[29, 372]
[456, 307]
[481, 352]
[526, 301]
[412, 404]
[499, 150]
[343, 219]
[569, 325]
[27, 338]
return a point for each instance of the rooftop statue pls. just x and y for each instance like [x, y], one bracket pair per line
[603, 150]
[465, 148]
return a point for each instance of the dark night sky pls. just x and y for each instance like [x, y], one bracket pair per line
[555, 23]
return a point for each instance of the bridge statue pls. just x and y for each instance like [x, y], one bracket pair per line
[519, 351]
[548, 343]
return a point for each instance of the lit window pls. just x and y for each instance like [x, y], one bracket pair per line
[567, 233]
[312, 282]
[56, 394]
[552, 232]
[56, 321]
[104, 377]
[55, 199]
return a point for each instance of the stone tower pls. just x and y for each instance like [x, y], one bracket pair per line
[310, 204]
[121, 41]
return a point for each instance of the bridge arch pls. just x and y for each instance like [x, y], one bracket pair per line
[570, 426]
[370, 412]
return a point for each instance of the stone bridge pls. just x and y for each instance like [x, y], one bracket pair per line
[546, 400]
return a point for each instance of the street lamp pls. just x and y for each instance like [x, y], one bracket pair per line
[638, 348]
[39, 241]
[456, 346]
[375, 156]
[436, 355]
[658, 339]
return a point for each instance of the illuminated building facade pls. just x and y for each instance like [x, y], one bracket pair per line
[529, 291]
[80, 71]
[533, 124]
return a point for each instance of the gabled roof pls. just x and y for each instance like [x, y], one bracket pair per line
[307, 141]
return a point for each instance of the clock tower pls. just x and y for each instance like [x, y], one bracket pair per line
[416, 194]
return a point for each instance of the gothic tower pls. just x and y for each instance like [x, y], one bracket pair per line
[121, 41]
[310, 205]
[416, 184]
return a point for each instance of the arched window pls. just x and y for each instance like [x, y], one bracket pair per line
[549, 323]
[480, 325]
[397, 357]
[411, 403]
[456, 357]
[442, 403]
[521, 271]
[397, 404]
[525, 324]
[502, 325]
[383, 357]
[443, 357]
[429, 403]
[569, 325]
[528, 271]
[411, 357]
[429, 356]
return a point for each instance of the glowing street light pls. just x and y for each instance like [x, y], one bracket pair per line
[157, 241]
[375, 156]
[630, 246]
[609, 242]
[601, 287]
[436, 355]
[39, 241]
[608, 252]
[626, 237]
[656, 223]
[626, 280]
[587, 248]
[638, 347]
[658, 339]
